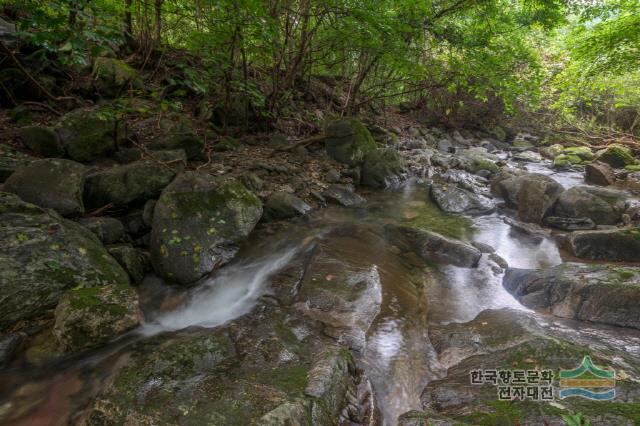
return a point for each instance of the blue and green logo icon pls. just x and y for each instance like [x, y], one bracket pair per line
[588, 381]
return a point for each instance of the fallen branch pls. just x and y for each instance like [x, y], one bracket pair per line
[98, 212]
[303, 142]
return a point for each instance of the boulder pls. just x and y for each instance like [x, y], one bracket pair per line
[134, 182]
[348, 141]
[433, 247]
[109, 230]
[10, 345]
[192, 144]
[599, 173]
[342, 195]
[616, 155]
[610, 244]
[42, 140]
[131, 260]
[112, 76]
[452, 199]
[536, 196]
[381, 168]
[528, 157]
[41, 256]
[11, 160]
[89, 317]
[551, 152]
[603, 206]
[198, 222]
[282, 205]
[478, 159]
[570, 223]
[598, 293]
[52, 184]
[88, 134]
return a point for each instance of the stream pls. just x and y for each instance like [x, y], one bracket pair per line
[398, 357]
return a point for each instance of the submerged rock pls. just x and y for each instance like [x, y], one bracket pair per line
[452, 199]
[52, 183]
[348, 141]
[282, 205]
[41, 256]
[381, 168]
[603, 206]
[122, 185]
[92, 316]
[434, 247]
[610, 244]
[198, 222]
[597, 293]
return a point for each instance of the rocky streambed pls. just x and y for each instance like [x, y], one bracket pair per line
[480, 255]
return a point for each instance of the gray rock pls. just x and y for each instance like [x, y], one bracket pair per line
[147, 212]
[12, 160]
[611, 244]
[122, 185]
[382, 168]
[108, 229]
[348, 141]
[597, 293]
[602, 205]
[41, 256]
[52, 183]
[599, 173]
[342, 195]
[452, 199]
[252, 182]
[433, 247]
[42, 140]
[333, 176]
[282, 205]
[131, 260]
[533, 194]
[570, 223]
[192, 144]
[197, 225]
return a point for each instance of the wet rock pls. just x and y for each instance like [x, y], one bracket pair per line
[597, 293]
[602, 205]
[344, 297]
[533, 194]
[92, 316]
[11, 160]
[611, 244]
[478, 159]
[381, 168]
[41, 256]
[434, 247]
[531, 230]
[570, 223]
[237, 374]
[108, 229]
[88, 134]
[616, 155]
[112, 76]
[42, 140]
[498, 260]
[122, 185]
[452, 199]
[484, 248]
[131, 260]
[197, 224]
[10, 344]
[342, 195]
[348, 141]
[528, 157]
[52, 183]
[282, 205]
[599, 173]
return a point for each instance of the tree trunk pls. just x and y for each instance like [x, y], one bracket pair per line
[128, 21]
[158, 21]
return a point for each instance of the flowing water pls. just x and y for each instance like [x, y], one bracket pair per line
[397, 358]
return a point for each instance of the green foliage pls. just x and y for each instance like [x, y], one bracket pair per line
[575, 420]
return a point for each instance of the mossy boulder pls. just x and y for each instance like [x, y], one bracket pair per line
[41, 256]
[382, 168]
[602, 205]
[11, 160]
[348, 141]
[92, 316]
[42, 140]
[131, 259]
[112, 76]
[582, 152]
[198, 222]
[566, 160]
[90, 133]
[551, 152]
[134, 182]
[610, 244]
[616, 155]
[52, 184]
[109, 230]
